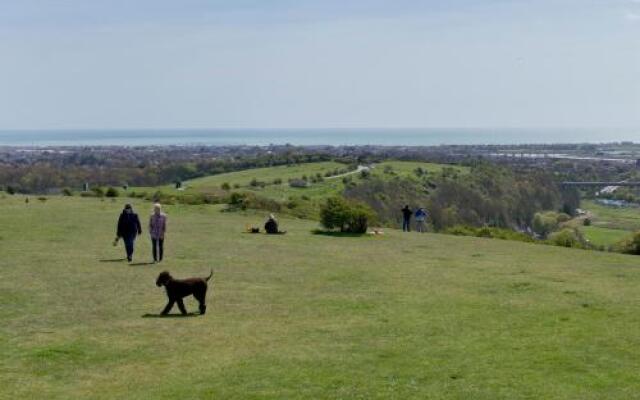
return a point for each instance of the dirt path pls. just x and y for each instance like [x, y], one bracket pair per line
[355, 171]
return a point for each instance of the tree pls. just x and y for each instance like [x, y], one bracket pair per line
[545, 223]
[347, 216]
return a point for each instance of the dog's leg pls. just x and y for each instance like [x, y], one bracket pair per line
[168, 307]
[201, 298]
[181, 307]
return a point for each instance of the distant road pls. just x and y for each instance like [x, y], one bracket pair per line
[355, 171]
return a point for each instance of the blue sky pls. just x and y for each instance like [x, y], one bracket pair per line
[329, 63]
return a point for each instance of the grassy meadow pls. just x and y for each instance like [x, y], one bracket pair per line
[398, 316]
[241, 180]
[609, 225]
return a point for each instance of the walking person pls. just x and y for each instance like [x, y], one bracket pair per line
[421, 217]
[157, 229]
[128, 228]
[406, 218]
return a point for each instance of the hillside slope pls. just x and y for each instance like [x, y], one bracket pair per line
[303, 315]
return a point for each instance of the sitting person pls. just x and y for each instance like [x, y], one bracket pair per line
[271, 226]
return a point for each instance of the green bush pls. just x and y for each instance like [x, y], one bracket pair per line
[67, 192]
[112, 192]
[489, 232]
[225, 186]
[245, 201]
[161, 197]
[97, 191]
[567, 237]
[586, 222]
[630, 245]
[256, 183]
[347, 216]
[545, 223]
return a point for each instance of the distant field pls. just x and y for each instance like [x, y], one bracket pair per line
[320, 190]
[614, 218]
[604, 236]
[304, 316]
[610, 225]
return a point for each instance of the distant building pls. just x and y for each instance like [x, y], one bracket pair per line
[638, 163]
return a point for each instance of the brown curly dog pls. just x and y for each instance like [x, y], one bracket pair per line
[177, 289]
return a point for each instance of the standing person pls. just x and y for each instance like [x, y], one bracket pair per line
[421, 216]
[128, 228]
[157, 229]
[406, 218]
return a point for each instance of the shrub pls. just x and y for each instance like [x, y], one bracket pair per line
[161, 197]
[545, 223]
[245, 201]
[225, 186]
[347, 216]
[489, 232]
[112, 192]
[97, 192]
[256, 183]
[298, 183]
[11, 190]
[630, 245]
[586, 222]
[567, 238]
[277, 181]
[67, 192]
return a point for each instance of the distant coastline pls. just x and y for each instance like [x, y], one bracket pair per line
[307, 137]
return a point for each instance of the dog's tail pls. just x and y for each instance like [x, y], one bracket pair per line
[209, 277]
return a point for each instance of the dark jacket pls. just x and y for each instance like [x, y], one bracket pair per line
[407, 213]
[271, 226]
[129, 225]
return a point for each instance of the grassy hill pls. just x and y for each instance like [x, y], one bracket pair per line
[241, 180]
[303, 315]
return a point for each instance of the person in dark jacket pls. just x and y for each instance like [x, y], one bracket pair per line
[271, 226]
[128, 228]
[406, 219]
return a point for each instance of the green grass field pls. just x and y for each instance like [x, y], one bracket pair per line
[604, 236]
[609, 225]
[282, 192]
[627, 219]
[400, 316]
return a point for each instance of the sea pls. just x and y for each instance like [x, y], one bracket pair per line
[311, 137]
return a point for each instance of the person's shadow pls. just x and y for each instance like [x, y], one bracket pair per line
[113, 260]
[140, 263]
[187, 315]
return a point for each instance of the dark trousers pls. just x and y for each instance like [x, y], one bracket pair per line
[128, 246]
[406, 226]
[158, 248]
